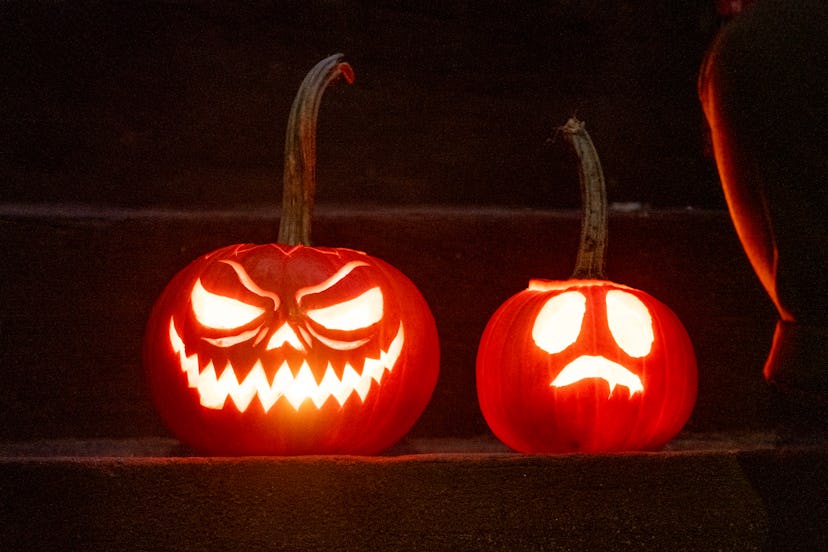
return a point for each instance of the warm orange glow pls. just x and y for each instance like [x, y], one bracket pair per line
[357, 313]
[630, 323]
[558, 323]
[214, 389]
[338, 276]
[220, 312]
[337, 344]
[736, 163]
[285, 334]
[586, 367]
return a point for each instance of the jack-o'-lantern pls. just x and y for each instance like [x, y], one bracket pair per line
[585, 364]
[285, 348]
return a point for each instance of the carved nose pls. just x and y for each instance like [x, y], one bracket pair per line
[285, 334]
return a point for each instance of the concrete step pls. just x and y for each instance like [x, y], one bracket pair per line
[709, 492]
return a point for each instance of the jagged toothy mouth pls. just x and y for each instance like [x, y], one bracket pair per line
[214, 389]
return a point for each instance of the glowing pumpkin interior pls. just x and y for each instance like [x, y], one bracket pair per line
[289, 336]
[559, 325]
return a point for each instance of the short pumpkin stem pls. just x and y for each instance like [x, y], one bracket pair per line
[299, 183]
[590, 261]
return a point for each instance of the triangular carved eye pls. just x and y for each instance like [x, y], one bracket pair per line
[357, 313]
[219, 312]
[630, 323]
[559, 322]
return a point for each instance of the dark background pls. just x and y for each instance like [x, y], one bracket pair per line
[136, 136]
[184, 104]
[110, 111]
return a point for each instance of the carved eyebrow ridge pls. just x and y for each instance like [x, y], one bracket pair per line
[248, 283]
[333, 280]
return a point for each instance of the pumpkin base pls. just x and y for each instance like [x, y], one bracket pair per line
[797, 368]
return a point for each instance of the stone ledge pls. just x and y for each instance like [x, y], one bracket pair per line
[718, 498]
[483, 444]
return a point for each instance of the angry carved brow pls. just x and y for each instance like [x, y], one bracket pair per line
[247, 282]
[337, 277]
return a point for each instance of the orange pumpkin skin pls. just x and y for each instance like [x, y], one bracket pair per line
[641, 405]
[284, 294]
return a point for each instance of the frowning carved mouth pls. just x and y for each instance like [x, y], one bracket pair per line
[585, 367]
[214, 389]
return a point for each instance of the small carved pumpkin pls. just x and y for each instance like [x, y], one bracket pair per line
[285, 348]
[585, 364]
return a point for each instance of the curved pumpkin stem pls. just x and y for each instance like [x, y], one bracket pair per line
[590, 261]
[299, 183]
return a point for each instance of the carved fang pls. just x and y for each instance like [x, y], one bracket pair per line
[214, 389]
[586, 366]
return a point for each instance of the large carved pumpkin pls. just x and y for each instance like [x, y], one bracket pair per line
[285, 348]
[585, 364]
